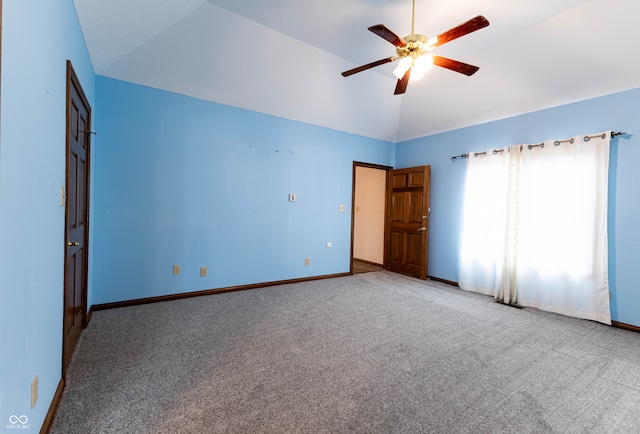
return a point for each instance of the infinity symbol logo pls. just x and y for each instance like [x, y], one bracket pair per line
[15, 420]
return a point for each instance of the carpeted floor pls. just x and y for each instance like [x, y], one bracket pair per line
[369, 353]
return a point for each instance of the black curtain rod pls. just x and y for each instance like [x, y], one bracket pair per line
[557, 142]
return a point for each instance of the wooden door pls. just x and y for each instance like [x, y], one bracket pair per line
[77, 210]
[407, 233]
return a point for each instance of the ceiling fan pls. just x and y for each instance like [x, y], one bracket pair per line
[413, 51]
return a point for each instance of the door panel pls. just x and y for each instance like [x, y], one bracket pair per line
[72, 205]
[408, 221]
[414, 207]
[69, 296]
[396, 250]
[77, 206]
[414, 250]
[397, 207]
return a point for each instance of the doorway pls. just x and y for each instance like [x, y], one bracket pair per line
[76, 216]
[394, 235]
[368, 217]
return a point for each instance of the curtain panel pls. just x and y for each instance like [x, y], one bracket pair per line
[535, 226]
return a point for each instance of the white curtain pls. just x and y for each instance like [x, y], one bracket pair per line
[483, 228]
[535, 226]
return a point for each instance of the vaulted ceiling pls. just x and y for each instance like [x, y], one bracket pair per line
[284, 57]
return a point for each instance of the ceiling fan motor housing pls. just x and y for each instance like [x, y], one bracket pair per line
[416, 46]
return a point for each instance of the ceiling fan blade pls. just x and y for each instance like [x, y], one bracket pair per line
[368, 66]
[382, 31]
[470, 26]
[401, 86]
[454, 65]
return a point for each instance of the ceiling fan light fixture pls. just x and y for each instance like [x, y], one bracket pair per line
[403, 67]
[424, 63]
[419, 66]
[416, 74]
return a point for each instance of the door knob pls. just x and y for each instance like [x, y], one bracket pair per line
[422, 229]
[73, 243]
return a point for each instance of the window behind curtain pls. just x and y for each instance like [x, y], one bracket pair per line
[535, 227]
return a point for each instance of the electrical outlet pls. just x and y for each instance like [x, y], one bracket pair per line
[34, 391]
[306, 262]
[329, 245]
[203, 271]
[176, 269]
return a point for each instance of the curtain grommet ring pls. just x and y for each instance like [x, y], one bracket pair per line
[557, 142]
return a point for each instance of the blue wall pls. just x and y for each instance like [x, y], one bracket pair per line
[184, 181]
[38, 38]
[178, 180]
[618, 112]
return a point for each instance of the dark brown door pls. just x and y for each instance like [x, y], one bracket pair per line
[407, 220]
[77, 206]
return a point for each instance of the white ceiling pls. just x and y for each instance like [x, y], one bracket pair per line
[284, 57]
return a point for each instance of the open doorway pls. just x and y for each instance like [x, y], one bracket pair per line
[368, 217]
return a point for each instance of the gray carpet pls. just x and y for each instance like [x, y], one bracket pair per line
[369, 353]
